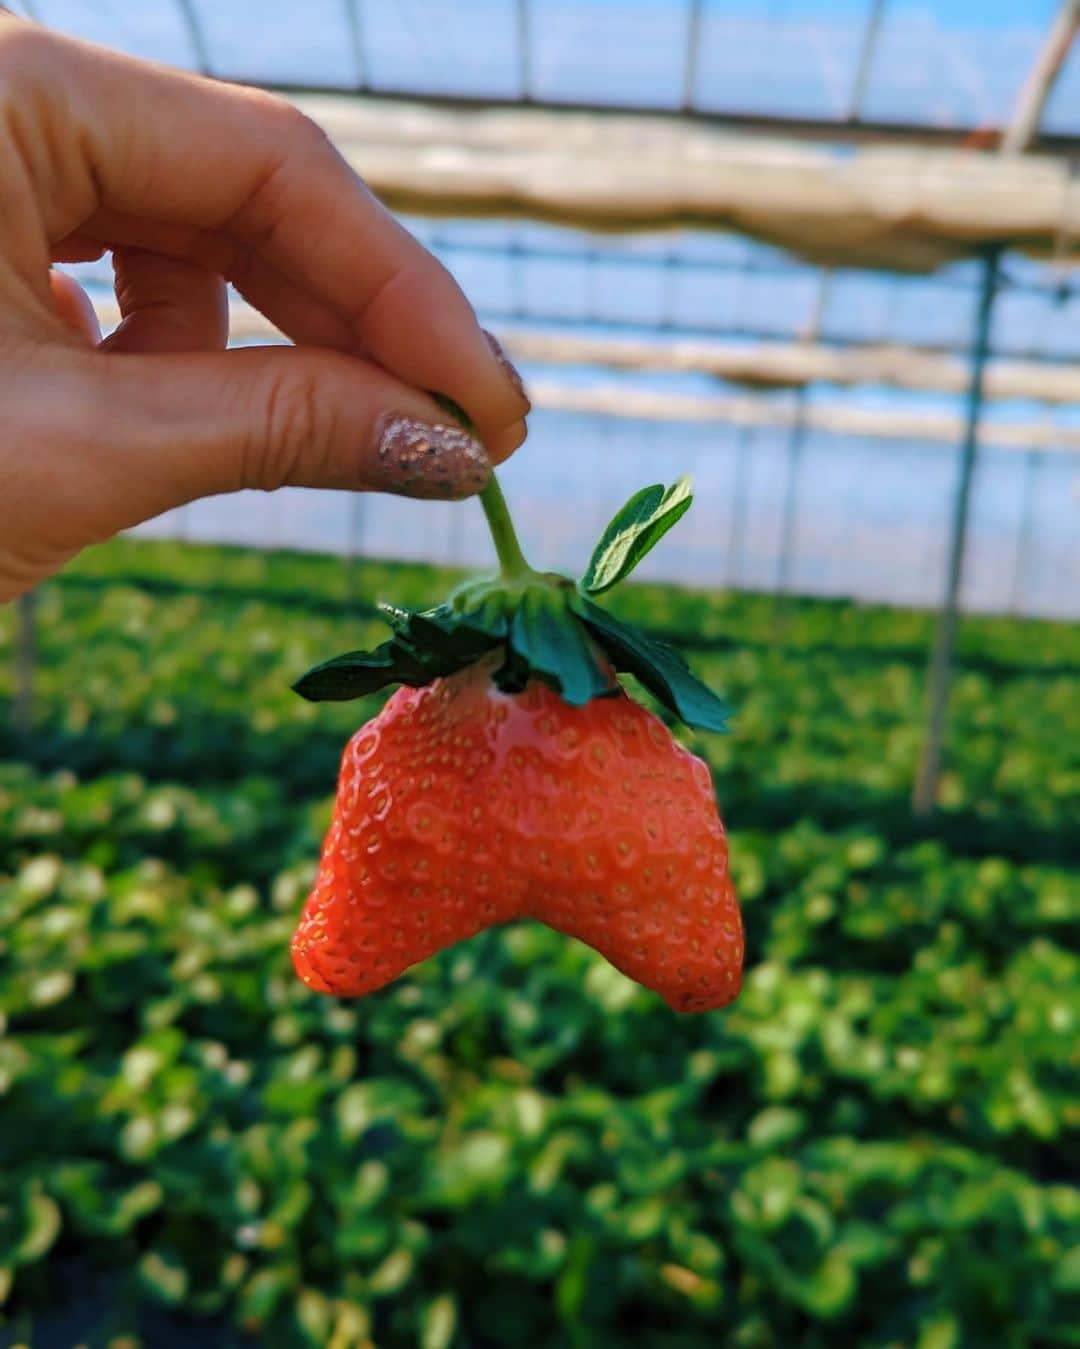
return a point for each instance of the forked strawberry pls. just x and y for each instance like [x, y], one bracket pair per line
[513, 778]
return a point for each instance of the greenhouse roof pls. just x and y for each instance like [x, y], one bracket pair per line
[936, 67]
[786, 306]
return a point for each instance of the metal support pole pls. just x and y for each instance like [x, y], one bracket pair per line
[811, 333]
[739, 507]
[940, 675]
[1024, 530]
[865, 63]
[354, 546]
[354, 20]
[525, 63]
[693, 50]
[196, 36]
[791, 494]
[25, 661]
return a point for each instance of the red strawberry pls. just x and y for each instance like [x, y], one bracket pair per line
[513, 778]
[460, 807]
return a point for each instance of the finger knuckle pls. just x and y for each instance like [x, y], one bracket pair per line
[25, 53]
[294, 423]
[291, 127]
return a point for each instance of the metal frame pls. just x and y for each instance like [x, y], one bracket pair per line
[196, 36]
[847, 127]
[867, 53]
[1018, 138]
[524, 39]
[354, 20]
[1025, 529]
[940, 677]
[750, 267]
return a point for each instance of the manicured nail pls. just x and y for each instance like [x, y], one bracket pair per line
[417, 459]
[508, 367]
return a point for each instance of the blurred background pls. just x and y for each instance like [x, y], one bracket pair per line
[820, 254]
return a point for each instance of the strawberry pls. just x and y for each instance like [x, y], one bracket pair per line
[461, 806]
[512, 777]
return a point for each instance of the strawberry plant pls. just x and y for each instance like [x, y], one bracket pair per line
[513, 1142]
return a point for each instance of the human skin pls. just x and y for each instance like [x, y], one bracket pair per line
[191, 184]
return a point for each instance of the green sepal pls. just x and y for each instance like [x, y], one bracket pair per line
[634, 532]
[447, 631]
[480, 605]
[657, 666]
[550, 641]
[355, 675]
[424, 647]
[545, 626]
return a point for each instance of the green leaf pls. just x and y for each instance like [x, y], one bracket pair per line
[830, 1289]
[553, 643]
[314, 1314]
[1067, 1277]
[43, 1222]
[438, 1321]
[635, 531]
[263, 1292]
[393, 1273]
[163, 1274]
[660, 668]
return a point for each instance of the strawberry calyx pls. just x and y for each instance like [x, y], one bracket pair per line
[545, 626]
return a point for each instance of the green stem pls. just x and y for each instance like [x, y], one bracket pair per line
[511, 558]
[512, 563]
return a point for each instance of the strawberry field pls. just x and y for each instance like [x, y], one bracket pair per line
[514, 1145]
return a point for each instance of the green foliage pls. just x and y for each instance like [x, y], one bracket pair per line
[634, 532]
[544, 626]
[876, 1145]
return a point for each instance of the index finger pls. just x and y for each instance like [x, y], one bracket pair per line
[173, 147]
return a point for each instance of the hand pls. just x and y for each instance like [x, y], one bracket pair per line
[191, 184]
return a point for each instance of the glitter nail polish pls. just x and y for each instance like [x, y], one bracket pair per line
[418, 459]
[507, 366]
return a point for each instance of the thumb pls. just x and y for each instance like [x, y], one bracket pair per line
[183, 426]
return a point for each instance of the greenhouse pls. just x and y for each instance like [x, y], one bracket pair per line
[820, 256]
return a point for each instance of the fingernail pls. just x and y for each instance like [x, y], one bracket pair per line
[508, 367]
[418, 459]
